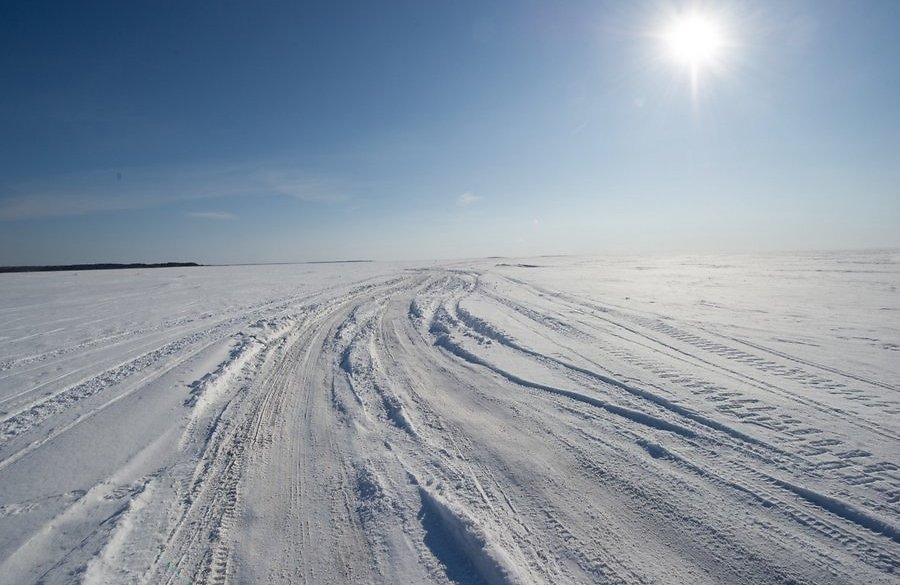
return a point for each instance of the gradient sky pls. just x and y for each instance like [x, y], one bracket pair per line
[228, 132]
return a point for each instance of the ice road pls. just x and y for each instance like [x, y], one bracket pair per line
[709, 419]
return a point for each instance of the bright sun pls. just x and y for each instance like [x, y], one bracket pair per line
[697, 41]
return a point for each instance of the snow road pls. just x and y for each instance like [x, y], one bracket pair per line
[552, 420]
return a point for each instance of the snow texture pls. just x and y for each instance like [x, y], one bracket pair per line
[714, 419]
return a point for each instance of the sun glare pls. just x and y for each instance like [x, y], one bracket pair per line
[696, 41]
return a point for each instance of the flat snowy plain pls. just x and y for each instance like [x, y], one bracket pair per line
[730, 419]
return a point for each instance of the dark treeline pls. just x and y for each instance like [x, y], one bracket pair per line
[94, 267]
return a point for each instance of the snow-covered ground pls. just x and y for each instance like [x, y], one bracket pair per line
[548, 420]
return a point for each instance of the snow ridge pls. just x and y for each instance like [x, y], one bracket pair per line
[568, 420]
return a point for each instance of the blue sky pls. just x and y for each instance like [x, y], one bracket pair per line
[227, 132]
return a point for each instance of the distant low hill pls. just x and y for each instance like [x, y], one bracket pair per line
[94, 267]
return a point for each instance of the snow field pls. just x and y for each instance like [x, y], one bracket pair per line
[559, 420]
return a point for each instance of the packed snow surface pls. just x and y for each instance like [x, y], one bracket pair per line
[730, 419]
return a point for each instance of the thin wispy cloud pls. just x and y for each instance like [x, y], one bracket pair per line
[47, 205]
[114, 190]
[306, 187]
[111, 190]
[213, 215]
[466, 199]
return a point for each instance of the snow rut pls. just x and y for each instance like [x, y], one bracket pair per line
[457, 426]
